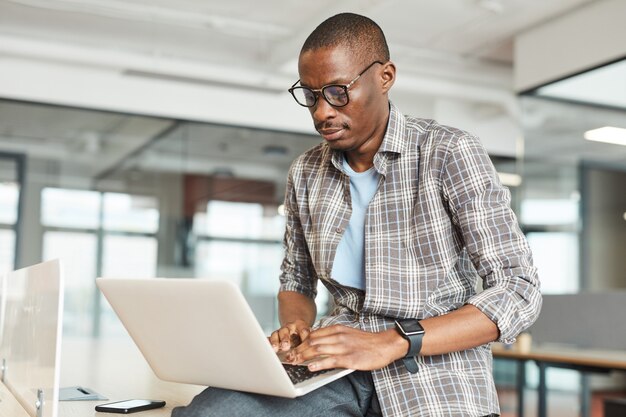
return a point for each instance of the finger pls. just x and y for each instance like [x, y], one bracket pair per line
[335, 329]
[294, 339]
[284, 335]
[304, 334]
[316, 352]
[328, 362]
[274, 341]
[315, 339]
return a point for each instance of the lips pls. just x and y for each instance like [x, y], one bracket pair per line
[331, 134]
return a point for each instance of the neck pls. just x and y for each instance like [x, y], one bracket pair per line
[362, 158]
[359, 164]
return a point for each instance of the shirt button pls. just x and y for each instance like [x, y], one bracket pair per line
[339, 230]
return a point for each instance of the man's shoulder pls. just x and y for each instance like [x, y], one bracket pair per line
[434, 135]
[312, 158]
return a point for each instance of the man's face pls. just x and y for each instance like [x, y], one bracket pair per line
[349, 127]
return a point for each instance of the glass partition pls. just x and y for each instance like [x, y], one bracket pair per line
[553, 195]
[572, 213]
[133, 196]
[31, 339]
[127, 195]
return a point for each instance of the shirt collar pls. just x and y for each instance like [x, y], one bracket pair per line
[394, 141]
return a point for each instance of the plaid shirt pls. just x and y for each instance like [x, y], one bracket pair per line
[439, 220]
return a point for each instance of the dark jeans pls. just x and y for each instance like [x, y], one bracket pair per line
[350, 396]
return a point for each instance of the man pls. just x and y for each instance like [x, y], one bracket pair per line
[397, 217]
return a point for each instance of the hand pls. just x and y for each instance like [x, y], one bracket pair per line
[289, 336]
[344, 347]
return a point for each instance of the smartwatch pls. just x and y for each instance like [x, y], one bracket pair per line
[413, 332]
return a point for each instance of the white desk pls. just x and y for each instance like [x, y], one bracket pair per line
[115, 368]
[9, 406]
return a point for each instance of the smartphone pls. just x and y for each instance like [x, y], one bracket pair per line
[129, 406]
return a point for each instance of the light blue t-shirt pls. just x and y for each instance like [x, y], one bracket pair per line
[349, 265]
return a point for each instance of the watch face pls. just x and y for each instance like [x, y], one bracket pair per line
[411, 327]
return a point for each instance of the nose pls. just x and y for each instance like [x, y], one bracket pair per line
[322, 111]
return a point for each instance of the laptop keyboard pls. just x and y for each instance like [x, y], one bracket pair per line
[299, 374]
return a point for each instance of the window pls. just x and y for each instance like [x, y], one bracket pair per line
[96, 234]
[129, 256]
[75, 209]
[7, 250]
[130, 213]
[10, 166]
[555, 255]
[242, 242]
[9, 193]
[553, 238]
[78, 252]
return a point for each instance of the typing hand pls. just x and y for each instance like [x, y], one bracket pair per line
[289, 336]
[344, 347]
[288, 356]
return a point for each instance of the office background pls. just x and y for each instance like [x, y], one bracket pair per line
[152, 138]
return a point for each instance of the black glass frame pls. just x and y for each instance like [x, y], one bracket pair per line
[316, 92]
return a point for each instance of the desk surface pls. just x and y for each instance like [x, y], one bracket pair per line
[115, 369]
[9, 406]
[565, 354]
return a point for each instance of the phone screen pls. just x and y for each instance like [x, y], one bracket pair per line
[129, 406]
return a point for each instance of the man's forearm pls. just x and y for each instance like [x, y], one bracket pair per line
[462, 329]
[294, 306]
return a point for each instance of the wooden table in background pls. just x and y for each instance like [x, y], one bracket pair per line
[585, 361]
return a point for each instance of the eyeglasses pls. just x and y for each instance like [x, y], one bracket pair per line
[335, 94]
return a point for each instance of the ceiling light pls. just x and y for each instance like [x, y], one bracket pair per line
[607, 134]
[624, 215]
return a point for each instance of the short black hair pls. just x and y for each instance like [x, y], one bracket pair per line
[359, 33]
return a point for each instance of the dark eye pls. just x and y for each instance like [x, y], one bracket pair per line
[336, 95]
[304, 96]
[309, 96]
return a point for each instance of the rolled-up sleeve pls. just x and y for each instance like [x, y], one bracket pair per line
[480, 209]
[297, 272]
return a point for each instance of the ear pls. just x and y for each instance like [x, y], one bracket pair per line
[388, 76]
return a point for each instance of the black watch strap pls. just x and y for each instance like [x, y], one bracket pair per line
[413, 332]
[410, 363]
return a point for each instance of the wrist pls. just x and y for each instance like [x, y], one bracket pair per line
[298, 322]
[412, 331]
[397, 346]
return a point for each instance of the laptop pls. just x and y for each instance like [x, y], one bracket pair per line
[203, 332]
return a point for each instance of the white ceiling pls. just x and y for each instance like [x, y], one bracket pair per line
[424, 35]
[467, 41]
